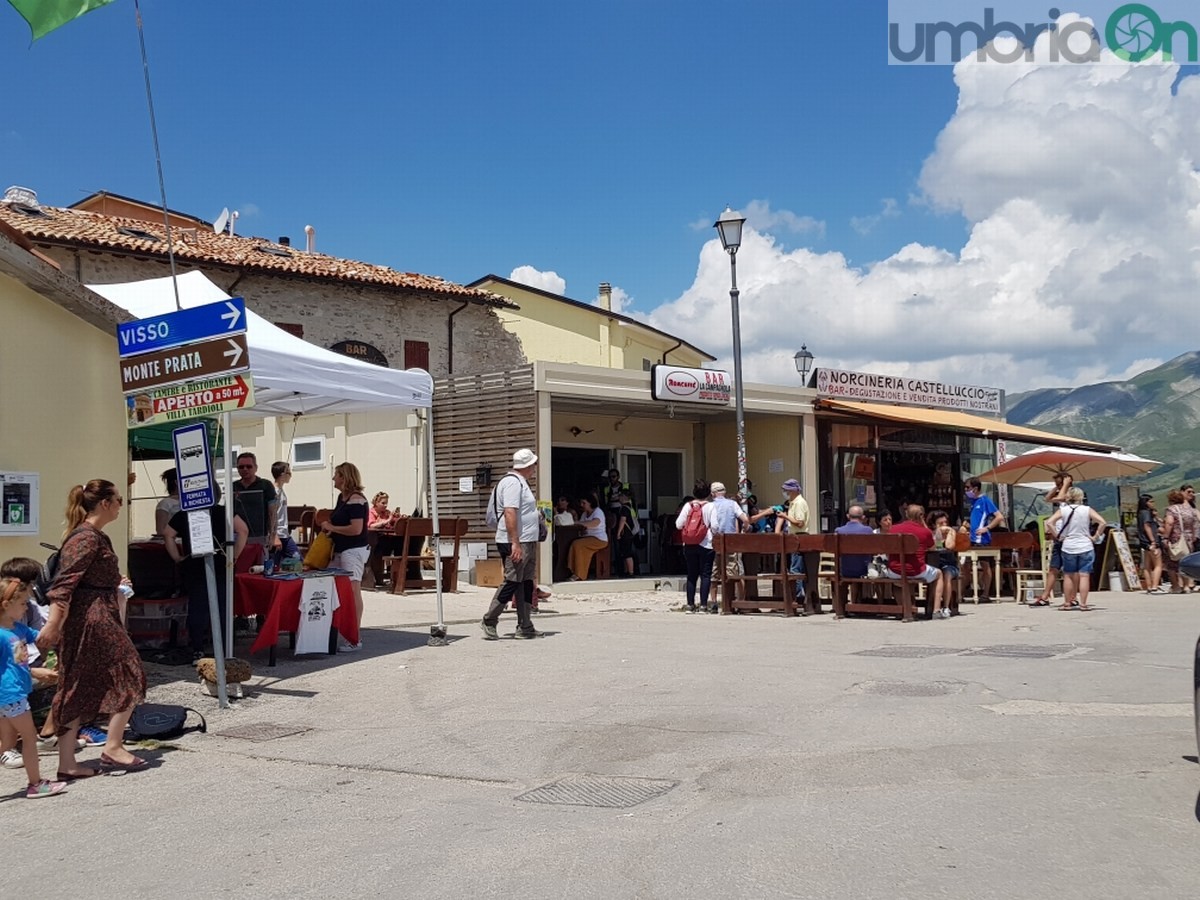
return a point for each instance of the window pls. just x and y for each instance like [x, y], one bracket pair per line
[647, 365]
[291, 328]
[416, 355]
[308, 452]
[219, 458]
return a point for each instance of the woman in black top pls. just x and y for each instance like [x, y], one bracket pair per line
[348, 528]
[1151, 544]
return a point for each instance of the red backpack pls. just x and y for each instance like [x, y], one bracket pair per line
[694, 530]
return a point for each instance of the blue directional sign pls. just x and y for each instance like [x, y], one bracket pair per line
[200, 323]
[194, 467]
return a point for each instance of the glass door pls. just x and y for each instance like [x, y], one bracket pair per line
[858, 482]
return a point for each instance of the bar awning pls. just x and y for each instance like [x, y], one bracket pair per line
[964, 423]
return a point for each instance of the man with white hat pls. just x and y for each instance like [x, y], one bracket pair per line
[513, 510]
[726, 516]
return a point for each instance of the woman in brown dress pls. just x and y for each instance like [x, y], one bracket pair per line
[99, 669]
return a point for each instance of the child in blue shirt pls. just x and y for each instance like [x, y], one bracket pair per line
[16, 682]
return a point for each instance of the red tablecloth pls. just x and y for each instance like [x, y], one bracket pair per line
[277, 601]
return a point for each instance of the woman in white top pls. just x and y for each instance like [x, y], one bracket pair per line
[168, 505]
[593, 539]
[697, 555]
[1072, 523]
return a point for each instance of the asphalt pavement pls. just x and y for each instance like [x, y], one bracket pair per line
[636, 751]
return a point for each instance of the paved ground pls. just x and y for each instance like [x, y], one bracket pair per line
[1010, 752]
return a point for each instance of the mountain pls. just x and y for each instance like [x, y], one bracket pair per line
[1155, 414]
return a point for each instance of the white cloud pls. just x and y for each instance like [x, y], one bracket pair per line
[621, 301]
[545, 281]
[249, 210]
[760, 216]
[1080, 188]
[888, 209]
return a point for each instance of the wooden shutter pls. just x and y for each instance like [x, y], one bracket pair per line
[416, 355]
[291, 328]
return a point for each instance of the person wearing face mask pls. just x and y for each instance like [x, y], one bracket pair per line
[984, 518]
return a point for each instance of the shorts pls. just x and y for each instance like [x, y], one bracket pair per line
[12, 710]
[1078, 563]
[353, 560]
[952, 571]
[929, 575]
[1056, 556]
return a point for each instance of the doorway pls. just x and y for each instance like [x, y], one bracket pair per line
[577, 471]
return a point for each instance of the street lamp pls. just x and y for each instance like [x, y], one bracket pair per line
[729, 226]
[804, 361]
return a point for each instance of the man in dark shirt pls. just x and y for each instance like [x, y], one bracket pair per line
[855, 565]
[258, 506]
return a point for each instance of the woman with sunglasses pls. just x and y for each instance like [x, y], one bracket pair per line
[100, 672]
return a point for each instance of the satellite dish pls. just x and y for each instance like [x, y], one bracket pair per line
[222, 221]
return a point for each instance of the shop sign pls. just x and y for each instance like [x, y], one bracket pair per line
[179, 402]
[360, 351]
[863, 386]
[675, 384]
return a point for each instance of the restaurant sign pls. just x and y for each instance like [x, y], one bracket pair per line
[842, 385]
[676, 384]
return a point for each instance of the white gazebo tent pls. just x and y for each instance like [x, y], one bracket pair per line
[292, 376]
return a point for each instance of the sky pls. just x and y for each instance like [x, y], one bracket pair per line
[1014, 225]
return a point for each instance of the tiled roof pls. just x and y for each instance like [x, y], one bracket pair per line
[201, 245]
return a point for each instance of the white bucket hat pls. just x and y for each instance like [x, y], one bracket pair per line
[524, 458]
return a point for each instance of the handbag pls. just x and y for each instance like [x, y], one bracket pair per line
[320, 552]
[1179, 548]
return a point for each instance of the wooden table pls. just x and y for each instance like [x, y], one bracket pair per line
[277, 602]
[974, 554]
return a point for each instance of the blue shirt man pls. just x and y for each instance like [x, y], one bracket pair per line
[854, 565]
[984, 514]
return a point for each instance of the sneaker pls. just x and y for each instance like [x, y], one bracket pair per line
[345, 646]
[489, 632]
[526, 635]
[45, 788]
[704, 608]
[49, 744]
[12, 759]
[691, 608]
[93, 735]
[945, 613]
[714, 608]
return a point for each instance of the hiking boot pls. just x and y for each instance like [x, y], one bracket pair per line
[489, 632]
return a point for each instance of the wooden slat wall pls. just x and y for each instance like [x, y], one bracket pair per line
[480, 419]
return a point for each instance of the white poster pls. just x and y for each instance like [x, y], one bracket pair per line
[19, 502]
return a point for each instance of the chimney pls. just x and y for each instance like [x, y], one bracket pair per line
[605, 295]
[21, 196]
[233, 217]
[310, 234]
[285, 241]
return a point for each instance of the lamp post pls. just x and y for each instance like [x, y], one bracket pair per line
[729, 226]
[804, 361]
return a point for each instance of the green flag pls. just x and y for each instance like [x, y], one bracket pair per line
[44, 16]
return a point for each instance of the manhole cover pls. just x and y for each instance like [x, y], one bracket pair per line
[902, 652]
[909, 689]
[601, 791]
[263, 731]
[1022, 651]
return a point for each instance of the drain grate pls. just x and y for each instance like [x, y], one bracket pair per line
[600, 791]
[263, 731]
[909, 688]
[1022, 651]
[908, 652]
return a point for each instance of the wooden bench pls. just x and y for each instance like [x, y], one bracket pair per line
[877, 545]
[409, 532]
[740, 593]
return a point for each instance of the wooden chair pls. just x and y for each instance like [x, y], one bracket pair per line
[306, 528]
[416, 546]
[1028, 555]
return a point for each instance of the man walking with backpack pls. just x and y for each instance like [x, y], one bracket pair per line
[513, 512]
[694, 523]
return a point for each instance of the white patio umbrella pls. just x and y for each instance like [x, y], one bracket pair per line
[1081, 465]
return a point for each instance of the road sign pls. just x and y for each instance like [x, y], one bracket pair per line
[193, 465]
[195, 362]
[223, 319]
[187, 401]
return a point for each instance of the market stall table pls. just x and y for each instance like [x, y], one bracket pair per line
[276, 600]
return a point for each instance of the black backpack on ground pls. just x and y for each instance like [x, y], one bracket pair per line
[163, 720]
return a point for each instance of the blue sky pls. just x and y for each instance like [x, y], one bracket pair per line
[900, 215]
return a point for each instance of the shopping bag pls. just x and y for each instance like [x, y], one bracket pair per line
[320, 552]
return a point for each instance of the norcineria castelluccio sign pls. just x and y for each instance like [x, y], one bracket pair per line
[841, 385]
[675, 384]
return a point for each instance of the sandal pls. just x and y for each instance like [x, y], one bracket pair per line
[77, 776]
[108, 762]
[1066, 608]
[1040, 601]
